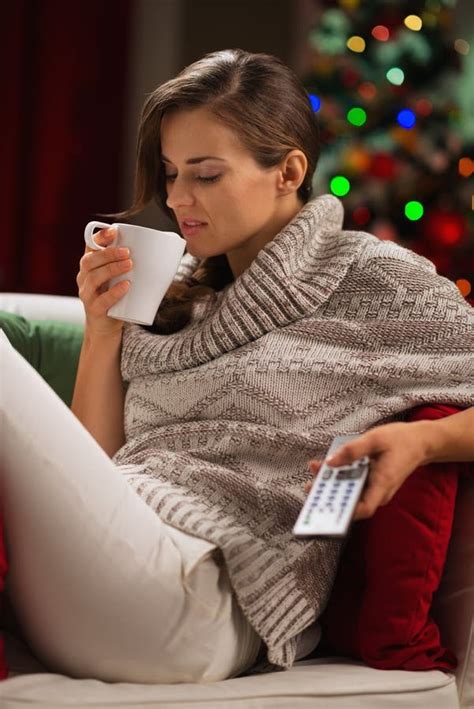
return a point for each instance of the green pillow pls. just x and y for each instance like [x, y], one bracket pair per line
[51, 347]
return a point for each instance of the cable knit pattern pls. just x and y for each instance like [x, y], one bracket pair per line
[327, 332]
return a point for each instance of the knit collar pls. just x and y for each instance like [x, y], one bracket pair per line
[291, 277]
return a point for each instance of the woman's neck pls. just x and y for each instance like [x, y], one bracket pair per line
[240, 259]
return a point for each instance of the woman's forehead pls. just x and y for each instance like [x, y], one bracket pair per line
[190, 134]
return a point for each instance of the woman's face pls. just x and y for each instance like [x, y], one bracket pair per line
[241, 205]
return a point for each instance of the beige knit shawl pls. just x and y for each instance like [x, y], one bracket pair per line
[327, 332]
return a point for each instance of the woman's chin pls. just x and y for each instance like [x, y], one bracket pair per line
[198, 250]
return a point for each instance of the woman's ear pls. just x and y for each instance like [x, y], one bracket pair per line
[292, 172]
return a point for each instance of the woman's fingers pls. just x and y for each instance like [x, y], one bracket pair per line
[103, 237]
[97, 268]
[314, 467]
[366, 445]
[376, 493]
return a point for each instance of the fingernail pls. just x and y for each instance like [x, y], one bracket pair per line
[123, 251]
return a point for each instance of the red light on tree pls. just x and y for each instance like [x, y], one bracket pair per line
[383, 166]
[361, 215]
[443, 228]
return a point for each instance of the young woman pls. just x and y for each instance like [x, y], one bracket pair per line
[280, 331]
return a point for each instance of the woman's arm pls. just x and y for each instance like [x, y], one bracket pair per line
[98, 399]
[397, 449]
[449, 438]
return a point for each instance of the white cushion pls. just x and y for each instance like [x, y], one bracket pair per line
[316, 684]
[43, 307]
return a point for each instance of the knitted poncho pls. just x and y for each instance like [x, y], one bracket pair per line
[327, 332]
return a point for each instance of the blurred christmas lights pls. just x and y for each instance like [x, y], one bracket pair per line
[414, 210]
[412, 143]
[357, 116]
[315, 102]
[361, 215]
[466, 167]
[406, 118]
[461, 46]
[464, 286]
[444, 227]
[340, 185]
[429, 19]
[413, 22]
[356, 43]
[423, 107]
[381, 33]
[367, 90]
[383, 166]
[349, 4]
[396, 76]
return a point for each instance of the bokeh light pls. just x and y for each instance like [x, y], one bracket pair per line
[350, 77]
[367, 90]
[315, 102]
[396, 76]
[466, 167]
[357, 116]
[356, 43]
[356, 159]
[461, 46]
[381, 33]
[429, 19]
[414, 210]
[349, 4]
[423, 107]
[406, 118]
[464, 286]
[340, 185]
[413, 22]
[361, 215]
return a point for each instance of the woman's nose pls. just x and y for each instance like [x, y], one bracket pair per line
[179, 195]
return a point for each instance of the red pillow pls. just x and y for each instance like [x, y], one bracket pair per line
[379, 608]
[3, 573]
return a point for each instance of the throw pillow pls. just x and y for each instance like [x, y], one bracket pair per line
[392, 564]
[51, 347]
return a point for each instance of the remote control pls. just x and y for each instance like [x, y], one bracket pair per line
[329, 507]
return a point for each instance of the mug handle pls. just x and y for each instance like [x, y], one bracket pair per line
[89, 234]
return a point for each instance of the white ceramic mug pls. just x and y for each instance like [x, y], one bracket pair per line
[156, 256]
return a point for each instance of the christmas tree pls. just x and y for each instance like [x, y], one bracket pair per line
[392, 86]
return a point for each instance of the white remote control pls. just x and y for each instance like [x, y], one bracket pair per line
[331, 502]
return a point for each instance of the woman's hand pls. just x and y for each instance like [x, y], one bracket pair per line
[394, 449]
[96, 269]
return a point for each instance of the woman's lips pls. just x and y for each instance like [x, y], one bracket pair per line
[192, 230]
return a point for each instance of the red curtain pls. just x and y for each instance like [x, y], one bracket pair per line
[62, 118]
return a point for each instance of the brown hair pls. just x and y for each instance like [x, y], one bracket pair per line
[264, 102]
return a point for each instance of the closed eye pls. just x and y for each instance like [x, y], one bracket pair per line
[214, 178]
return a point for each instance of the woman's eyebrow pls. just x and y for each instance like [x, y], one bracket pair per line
[194, 161]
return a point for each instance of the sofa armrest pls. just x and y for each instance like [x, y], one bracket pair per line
[453, 606]
[44, 307]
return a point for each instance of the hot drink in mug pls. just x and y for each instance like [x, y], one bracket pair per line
[156, 256]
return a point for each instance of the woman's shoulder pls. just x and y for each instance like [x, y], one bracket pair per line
[388, 252]
[401, 280]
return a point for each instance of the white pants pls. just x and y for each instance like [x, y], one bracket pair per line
[101, 586]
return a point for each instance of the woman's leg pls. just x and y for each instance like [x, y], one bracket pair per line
[101, 586]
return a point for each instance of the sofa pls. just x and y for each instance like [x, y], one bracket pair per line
[325, 679]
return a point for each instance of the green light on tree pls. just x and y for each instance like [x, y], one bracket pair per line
[340, 185]
[357, 116]
[414, 210]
